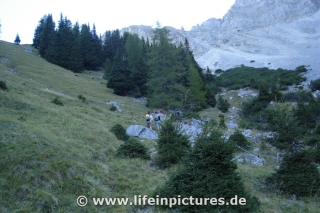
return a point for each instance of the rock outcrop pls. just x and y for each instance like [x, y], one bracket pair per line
[141, 132]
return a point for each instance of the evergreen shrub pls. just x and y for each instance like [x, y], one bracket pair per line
[120, 132]
[297, 175]
[82, 98]
[133, 149]
[113, 108]
[315, 85]
[208, 171]
[172, 145]
[57, 101]
[3, 85]
[239, 139]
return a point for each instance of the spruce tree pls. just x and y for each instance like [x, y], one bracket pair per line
[47, 39]
[37, 33]
[75, 59]
[172, 145]
[297, 175]
[208, 171]
[17, 40]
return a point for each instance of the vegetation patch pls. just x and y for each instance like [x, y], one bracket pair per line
[241, 77]
[120, 132]
[133, 149]
[57, 101]
[3, 85]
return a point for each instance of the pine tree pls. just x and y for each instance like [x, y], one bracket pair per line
[17, 40]
[208, 171]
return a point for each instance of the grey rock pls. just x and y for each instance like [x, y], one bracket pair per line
[141, 132]
[231, 125]
[113, 103]
[251, 159]
[247, 133]
[191, 129]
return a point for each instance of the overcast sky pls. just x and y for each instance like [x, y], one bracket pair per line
[22, 16]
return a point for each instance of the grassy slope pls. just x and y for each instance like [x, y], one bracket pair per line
[50, 154]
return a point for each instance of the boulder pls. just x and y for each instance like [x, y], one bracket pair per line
[141, 132]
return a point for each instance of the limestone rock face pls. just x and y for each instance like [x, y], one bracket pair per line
[259, 33]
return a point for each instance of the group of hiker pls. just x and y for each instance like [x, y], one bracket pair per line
[157, 116]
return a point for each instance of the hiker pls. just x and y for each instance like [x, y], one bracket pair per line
[148, 120]
[158, 120]
[178, 112]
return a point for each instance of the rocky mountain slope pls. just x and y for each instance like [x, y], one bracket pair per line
[259, 33]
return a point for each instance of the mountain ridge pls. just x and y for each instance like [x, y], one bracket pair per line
[258, 33]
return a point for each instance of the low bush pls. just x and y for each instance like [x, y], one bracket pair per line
[315, 85]
[239, 139]
[244, 76]
[3, 85]
[301, 68]
[133, 149]
[82, 98]
[302, 96]
[57, 101]
[120, 132]
[113, 108]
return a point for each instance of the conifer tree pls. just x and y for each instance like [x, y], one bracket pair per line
[196, 90]
[37, 33]
[17, 40]
[47, 39]
[164, 89]
[208, 171]
[172, 145]
[75, 59]
[297, 175]
[63, 42]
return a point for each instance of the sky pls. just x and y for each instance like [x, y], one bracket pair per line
[22, 16]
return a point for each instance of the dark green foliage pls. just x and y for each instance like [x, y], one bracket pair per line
[300, 96]
[296, 175]
[314, 153]
[315, 85]
[120, 132]
[113, 108]
[133, 149]
[222, 104]
[308, 114]
[301, 68]
[57, 101]
[17, 40]
[172, 145]
[218, 71]
[243, 76]
[82, 98]
[239, 139]
[3, 85]
[208, 171]
[222, 124]
[289, 132]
